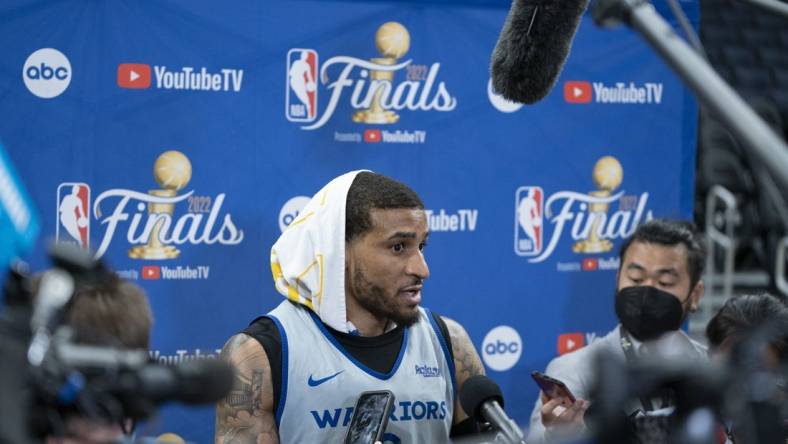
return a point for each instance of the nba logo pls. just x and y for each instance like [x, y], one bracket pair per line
[528, 226]
[301, 97]
[73, 214]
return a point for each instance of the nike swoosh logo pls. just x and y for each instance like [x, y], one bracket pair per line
[316, 382]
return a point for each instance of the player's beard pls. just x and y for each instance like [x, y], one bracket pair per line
[373, 298]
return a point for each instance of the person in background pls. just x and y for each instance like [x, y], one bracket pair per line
[111, 313]
[657, 285]
[740, 316]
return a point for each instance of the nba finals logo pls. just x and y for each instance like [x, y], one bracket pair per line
[528, 223]
[301, 105]
[592, 226]
[153, 226]
[371, 85]
[73, 214]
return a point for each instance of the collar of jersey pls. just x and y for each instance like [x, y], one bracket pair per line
[357, 363]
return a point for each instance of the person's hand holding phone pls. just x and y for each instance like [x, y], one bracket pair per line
[560, 408]
[563, 412]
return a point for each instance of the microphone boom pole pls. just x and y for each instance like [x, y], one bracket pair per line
[774, 6]
[701, 78]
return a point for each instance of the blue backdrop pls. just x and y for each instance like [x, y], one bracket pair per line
[267, 99]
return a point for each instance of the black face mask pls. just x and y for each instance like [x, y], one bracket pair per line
[648, 312]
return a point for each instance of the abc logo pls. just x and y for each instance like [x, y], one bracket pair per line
[47, 73]
[501, 348]
[290, 211]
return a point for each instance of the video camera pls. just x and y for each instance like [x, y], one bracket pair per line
[742, 395]
[45, 376]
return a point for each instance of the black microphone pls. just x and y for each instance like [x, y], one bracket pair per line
[482, 398]
[533, 46]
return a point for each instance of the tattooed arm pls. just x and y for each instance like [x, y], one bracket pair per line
[466, 362]
[246, 415]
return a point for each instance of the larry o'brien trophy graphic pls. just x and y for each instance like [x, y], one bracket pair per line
[608, 175]
[393, 41]
[172, 171]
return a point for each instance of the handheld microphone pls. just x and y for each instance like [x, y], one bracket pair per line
[482, 398]
[533, 46]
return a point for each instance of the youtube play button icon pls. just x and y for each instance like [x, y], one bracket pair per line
[134, 75]
[577, 92]
[569, 342]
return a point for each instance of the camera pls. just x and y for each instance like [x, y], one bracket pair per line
[47, 376]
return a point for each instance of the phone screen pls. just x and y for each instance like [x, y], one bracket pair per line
[551, 387]
[370, 417]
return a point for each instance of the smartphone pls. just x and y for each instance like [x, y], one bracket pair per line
[552, 387]
[370, 417]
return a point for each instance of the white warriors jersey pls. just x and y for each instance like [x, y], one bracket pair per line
[321, 382]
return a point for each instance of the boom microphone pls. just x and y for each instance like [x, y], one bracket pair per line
[482, 398]
[533, 46]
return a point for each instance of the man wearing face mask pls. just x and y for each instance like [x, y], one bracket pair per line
[658, 283]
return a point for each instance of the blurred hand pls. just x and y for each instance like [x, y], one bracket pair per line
[563, 413]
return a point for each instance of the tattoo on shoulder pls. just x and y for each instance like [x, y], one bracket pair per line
[243, 396]
[245, 415]
[466, 359]
[234, 344]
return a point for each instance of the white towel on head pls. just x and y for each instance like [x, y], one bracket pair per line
[308, 259]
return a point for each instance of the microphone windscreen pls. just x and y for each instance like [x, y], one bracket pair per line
[476, 391]
[533, 46]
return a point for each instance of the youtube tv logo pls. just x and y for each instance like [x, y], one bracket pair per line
[590, 264]
[372, 136]
[134, 75]
[151, 272]
[576, 91]
[569, 342]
